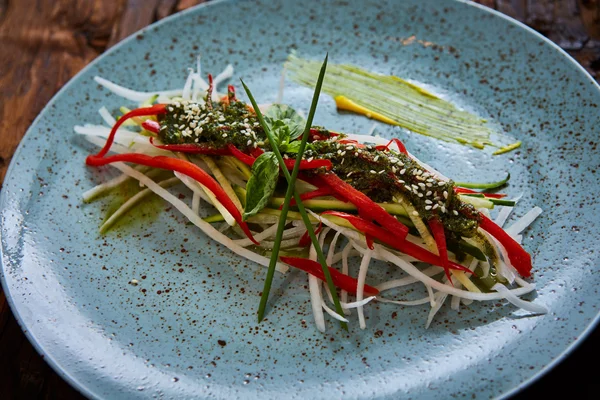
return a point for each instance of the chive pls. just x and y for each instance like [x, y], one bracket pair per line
[491, 185]
[289, 192]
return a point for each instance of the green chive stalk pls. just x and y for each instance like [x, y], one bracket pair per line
[291, 179]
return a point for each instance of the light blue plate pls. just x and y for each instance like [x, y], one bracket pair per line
[189, 328]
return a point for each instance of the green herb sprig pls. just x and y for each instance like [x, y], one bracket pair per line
[291, 179]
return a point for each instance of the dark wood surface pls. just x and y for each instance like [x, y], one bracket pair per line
[43, 43]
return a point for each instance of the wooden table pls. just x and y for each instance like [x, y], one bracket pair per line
[44, 43]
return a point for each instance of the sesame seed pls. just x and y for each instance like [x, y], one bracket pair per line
[382, 171]
[440, 183]
[350, 147]
[310, 159]
[394, 169]
[373, 172]
[402, 171]
[249, 142]
[343, 159]
[224, 135]
[420, 195]
[455, 212]
[376, 158]
[428, 202]
[339, 152]
[428, 184]
[435, 206]
[443, 209]
[415, 213]
[445, 194]
[400, 181]
[343, 153]
[422, 185]
[428, 193]
[428, 208]
[349, 173]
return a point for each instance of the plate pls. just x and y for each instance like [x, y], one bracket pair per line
[188, 329]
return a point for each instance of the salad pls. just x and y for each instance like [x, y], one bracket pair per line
[282, 192]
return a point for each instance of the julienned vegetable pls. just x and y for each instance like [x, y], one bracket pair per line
[384, 204]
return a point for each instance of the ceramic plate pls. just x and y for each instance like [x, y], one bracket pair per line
[188, 329]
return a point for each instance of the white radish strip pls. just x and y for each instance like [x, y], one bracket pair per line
[224, 75]
[525, 305]
[356, 304]
[431, 296]
[134, 95]
[524, 222]
[259, 236]
[197, 187]
[506, 271]
[111, 184]
[373, 128]
[360, 286]
[455, 303]
[103, 131]
[414, 271]
[524, 283]
[187, 181]
[115, 148]
[186, 93]
[196, 203]
[345, 254]
[132, 201]
[505, 212]
[418, 302]
[331, 250]
[439, 302]
[197, 78]
[106, 116]
[430, 271]
[333, 313]
[315, 294]
[338, 256]
[195, 219]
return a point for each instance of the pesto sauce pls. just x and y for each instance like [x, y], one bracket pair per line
[381, 175]
[216, 126]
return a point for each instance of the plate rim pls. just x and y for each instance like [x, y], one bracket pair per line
[83, 389]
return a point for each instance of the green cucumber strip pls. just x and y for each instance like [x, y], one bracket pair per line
[490, 185]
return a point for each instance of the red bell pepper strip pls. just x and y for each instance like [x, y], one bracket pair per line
[156, 109]
[342, 281]
[231, 93]
[409, 248]
[519, 258]
[184, 167]
[365, 205]
[459, 190]
[191, 148]
[151, 126]
[304, 164]
[240, 155]
[305, 239]
[437, 229]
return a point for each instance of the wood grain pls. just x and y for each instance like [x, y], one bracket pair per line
[44, 43]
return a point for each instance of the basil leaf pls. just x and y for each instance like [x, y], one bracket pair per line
[281, 132]
[288, 116]
[261, 185]
[292, 147]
